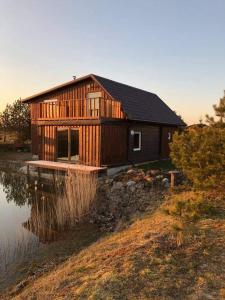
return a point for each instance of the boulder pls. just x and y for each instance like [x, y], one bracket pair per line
[132, 172]
[130, 183]
[117, 185]
[166, 183]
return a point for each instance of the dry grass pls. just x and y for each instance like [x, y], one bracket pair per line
[143, 262]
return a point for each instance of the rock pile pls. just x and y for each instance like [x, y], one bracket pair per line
[128, 194]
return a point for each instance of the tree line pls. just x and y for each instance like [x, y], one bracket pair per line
[16, 117]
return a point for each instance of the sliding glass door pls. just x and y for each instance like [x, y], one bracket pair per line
[74, 154]
[68, 144]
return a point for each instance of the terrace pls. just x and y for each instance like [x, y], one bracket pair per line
[92, 108]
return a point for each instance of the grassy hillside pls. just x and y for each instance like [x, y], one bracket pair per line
[144, 261]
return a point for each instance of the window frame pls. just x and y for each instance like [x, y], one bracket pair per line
[140, 138]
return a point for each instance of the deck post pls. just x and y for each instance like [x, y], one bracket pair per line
[173, 178]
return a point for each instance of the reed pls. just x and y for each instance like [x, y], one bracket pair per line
[51, 213]
[68, 203]
[74, 202]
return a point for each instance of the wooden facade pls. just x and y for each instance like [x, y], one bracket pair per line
[50, 112]
[103, 130]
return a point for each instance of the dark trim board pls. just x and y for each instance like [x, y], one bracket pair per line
[80, 122]
[67, 122]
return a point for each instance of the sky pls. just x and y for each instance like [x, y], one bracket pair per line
[174, 48]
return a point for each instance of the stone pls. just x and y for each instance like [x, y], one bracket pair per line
[109, 181]
[130, 183]
[132, 171]
[117, 185]
[122, 198]
[132, 188]
[166, 183]
[140, 185]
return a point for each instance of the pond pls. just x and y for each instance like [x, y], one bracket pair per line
[30, 233]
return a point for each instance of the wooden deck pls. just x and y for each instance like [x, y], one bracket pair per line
[61, 166]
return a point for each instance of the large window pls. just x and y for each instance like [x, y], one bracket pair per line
[68, 144]
[62, 144]
[136, 141]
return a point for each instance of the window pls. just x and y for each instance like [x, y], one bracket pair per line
[93, 100]
[136, 141]
[169, 136]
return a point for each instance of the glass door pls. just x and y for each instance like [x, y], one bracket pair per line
[74, 155]
[62, 144]
[68, 144]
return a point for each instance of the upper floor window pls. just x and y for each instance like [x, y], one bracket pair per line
[93, 100]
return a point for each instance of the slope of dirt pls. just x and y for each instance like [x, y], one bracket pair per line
[143, 261]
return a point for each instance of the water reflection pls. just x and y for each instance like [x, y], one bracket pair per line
[15, 188]
[26, 217]
[34, 213]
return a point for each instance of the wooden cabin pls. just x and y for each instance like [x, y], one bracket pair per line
[99, 122]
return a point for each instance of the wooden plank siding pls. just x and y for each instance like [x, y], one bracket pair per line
[114, 144]
[72, 102]
[104, 134]
[150, 143]
[89, 143]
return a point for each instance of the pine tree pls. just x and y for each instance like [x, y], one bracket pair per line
[220, 114]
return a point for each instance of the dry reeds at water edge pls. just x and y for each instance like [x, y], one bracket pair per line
[50, 213]
[68, 204]
[76, 197]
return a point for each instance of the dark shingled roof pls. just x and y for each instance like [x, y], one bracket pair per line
[139, 104]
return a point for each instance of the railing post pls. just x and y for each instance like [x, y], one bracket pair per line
[100, 108]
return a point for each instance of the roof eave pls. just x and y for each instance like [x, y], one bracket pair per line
[33, 97]
[183, 124]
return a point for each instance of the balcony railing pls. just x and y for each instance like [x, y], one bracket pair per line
[93, 108]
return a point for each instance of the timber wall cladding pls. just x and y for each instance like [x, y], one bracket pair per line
[150, 138]
[79, 91]
[114, 144]
[89, 143]
[47, 142]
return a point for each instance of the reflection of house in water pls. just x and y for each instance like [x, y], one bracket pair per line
[43, 218]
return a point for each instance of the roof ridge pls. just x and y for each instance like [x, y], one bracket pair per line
[121, 83]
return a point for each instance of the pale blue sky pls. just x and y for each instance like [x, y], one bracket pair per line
[173, 48]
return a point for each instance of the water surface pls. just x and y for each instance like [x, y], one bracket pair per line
[29, 233]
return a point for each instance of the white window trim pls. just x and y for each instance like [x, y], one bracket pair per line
[139, 147]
